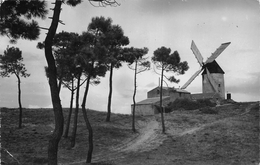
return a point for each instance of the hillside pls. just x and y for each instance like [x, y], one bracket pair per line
[229, 136]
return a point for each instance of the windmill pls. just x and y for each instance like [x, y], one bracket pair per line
[212, 75]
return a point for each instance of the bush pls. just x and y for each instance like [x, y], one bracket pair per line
[166, 109]
[188, 104]
[206, 103]
[208, 110]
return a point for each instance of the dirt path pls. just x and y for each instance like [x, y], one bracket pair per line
[172, 131]
[150, 137]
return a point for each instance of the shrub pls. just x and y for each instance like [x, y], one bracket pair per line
[167, 109]
[188, 104]
[184, 104]
[206, 103]
[208, 110]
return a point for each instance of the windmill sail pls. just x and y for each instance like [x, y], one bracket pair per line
[217, 52]
[204, 65]
[191, 79]
[197, 53]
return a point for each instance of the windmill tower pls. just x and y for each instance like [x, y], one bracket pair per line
[212, 75]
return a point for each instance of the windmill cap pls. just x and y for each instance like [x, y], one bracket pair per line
[213, 67]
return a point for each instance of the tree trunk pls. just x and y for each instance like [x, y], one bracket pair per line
[66, 132]
[90, 130]
[57, 108]
[20, 103]
[74, 131]
[133, 113]
[59, 85]
[110, 94]
[162, 117]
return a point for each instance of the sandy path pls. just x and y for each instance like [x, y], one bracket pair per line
[149, 138]
[172, 131]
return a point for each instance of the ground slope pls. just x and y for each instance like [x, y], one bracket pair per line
[229, 137]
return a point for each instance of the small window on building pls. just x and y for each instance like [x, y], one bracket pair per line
[158, 91]
[218, 85]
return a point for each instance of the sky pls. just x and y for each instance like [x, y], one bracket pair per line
[152, 24]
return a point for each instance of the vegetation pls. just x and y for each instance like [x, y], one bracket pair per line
[94, 67]
[17, 19]
[232, 135]
[57, 108]
[15, 16]
[168, 62]
[188, 104]
[12, 64]
[208, 110]
[71, 56]
[113, 39]
[66, 49]
[141, 64]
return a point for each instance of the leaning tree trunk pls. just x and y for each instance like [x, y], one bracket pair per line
[58, 115]
[133, 113]
[66, 132]
[90, 130]
[110, 94]
[162, 117]
[20, 103]
[74, 131]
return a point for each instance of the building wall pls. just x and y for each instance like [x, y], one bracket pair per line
[156, 93]
[207, 88]
[212, 96]
[177, 95]
[144, 110]
[149, 109]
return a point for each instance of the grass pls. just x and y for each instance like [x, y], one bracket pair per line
[233, 140]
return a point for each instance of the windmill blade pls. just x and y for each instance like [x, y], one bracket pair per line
[217, 52]
[197, 53]
[211, 80]
[191, 79]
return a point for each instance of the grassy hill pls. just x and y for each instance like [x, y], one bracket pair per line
[230, 136]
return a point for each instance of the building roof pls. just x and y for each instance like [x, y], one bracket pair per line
[171, 88]
[152, 100]
[166, 88]
[213, 67]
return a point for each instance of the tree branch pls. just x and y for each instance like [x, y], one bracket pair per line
[155, 71]
[67, 86]
[104, 3]
[142, 70]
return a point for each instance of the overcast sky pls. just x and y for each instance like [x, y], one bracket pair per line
[152, 24]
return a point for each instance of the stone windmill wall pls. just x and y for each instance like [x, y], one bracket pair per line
[220, 84]
[218, 75]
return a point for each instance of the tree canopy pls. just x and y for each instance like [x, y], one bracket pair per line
[169, 62]
[12, 22]
[11, 63]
